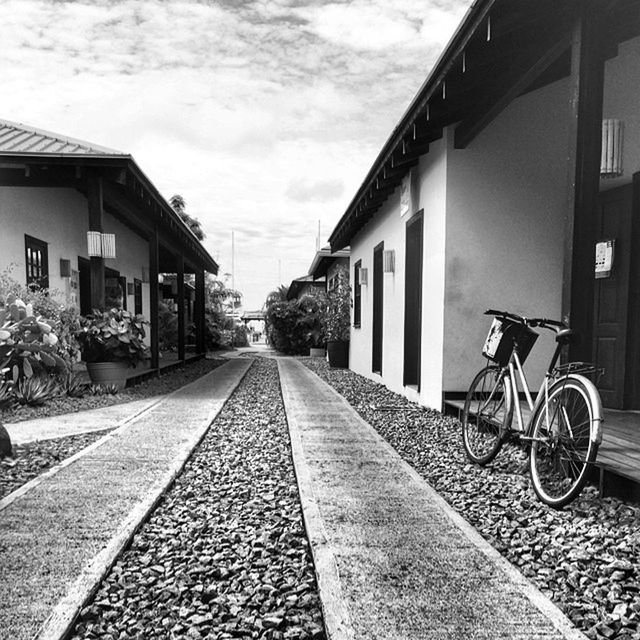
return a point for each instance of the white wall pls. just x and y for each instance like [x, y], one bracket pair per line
[506, 203]
[60, 218]
[390, 228]
[621, 100]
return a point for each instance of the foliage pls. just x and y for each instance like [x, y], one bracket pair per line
[338, 309]
[6, 394]
[113, 336]
[221, 328]
[28, 345]
[73, 385]
[35, 390]
[167, 328]
[295, 326]
[178, 204]
[103, 389]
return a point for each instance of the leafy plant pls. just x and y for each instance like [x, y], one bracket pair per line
[35, 390]
[338, 309]
[103, 389]
[112, 336]
[6, 394]
[28, 344]
[73, 385]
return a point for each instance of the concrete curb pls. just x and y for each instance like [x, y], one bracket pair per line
[521, 583]
[336, 616]
[61, 620]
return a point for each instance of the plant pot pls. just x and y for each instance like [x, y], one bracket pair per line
[338, 351]
[106, 373]
[317, 353]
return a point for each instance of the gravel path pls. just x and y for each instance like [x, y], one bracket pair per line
[225, 554]
[585, 558]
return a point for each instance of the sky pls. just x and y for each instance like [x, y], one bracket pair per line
[265, 115]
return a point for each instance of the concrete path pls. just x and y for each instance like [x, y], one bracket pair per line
[393, 560]
[71, 424]
[68, 528]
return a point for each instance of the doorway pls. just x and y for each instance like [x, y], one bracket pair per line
[378, 294]
[413, 302]
[615, 312]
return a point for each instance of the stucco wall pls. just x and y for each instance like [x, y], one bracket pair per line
[506, 202]
[621, 100]
[390, 228]
[59, 217]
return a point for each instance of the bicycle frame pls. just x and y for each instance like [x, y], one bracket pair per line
[515, 366]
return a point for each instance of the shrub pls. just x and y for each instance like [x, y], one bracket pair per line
[35, 390]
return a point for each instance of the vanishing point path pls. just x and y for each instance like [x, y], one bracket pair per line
[185, 521]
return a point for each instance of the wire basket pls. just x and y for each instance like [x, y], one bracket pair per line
[502, 336]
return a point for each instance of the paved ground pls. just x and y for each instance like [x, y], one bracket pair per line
[393, 561]
[67, 530]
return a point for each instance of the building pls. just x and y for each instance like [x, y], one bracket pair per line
[85, 220]
[518, 158]
[327, 264]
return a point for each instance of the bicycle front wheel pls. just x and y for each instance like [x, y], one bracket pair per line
[566, 434]
[486, 415]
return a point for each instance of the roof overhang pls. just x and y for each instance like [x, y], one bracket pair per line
[324, 259]
[125, 182]
[502, 49]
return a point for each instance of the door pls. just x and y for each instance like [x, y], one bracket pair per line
[611, 295]
[378, 292]
[413, 301]
[84, 278]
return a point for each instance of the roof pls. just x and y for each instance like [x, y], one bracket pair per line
[501, 50]
[253, 315]
[299, 284]
[323, 260]
[29, 148]
[16, 137]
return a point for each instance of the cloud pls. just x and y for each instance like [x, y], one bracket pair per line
[265, 115]
[304, 189]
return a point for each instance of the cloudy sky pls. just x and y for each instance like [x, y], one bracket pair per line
[265, 115]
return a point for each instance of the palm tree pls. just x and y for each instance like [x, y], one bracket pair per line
[179, 205]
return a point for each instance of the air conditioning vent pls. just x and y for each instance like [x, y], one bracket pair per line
[389, 261]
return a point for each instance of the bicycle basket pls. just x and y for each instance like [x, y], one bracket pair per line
[502, 335]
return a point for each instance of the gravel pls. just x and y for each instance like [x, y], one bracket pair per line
[151, 387]
[225, 554]
[31, 460]
[585, 557]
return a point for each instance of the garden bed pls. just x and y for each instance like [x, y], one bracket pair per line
[586, 558]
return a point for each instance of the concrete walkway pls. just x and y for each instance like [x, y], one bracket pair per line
[393, 560]
[67, 528]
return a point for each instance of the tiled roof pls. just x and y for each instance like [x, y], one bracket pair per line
[19, 138]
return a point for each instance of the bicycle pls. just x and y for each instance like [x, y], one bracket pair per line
[565, 427]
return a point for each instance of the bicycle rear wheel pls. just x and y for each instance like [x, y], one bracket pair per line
[486, 415]
[565, 446]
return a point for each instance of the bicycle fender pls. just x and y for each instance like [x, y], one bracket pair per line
[596, 403]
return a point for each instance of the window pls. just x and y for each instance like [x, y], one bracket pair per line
[357, 295]
[137, 296]
[37, 261]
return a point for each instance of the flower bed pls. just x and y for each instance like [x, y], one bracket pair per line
[586, 558]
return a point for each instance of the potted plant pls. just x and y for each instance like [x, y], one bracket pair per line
[312, 307]
[110, 343]
[338, 320]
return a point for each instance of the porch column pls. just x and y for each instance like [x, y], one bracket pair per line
[198, 311]
[96, 269]
[180, 294]
[586, 86]
[153, 298]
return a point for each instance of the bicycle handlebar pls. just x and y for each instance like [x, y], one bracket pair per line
[544, 323]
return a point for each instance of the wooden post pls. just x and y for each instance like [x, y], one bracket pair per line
[198, 311]
[180, 279]
[94, 199]
[587, 79]
[153, 298]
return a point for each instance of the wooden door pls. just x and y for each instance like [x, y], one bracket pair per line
[413, 301]
[84, 285]
[378, 294]
[611, 296]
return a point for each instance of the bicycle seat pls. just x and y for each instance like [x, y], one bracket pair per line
[566, 336]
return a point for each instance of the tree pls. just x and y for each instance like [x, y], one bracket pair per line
[179, 205]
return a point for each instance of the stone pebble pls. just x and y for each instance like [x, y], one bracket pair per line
[585, 558]
[225, 554]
